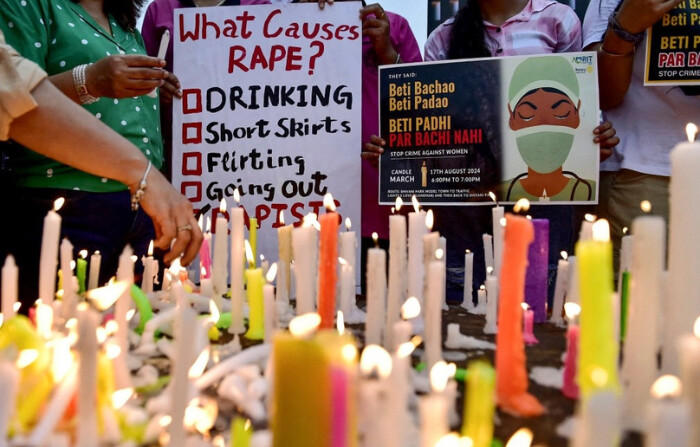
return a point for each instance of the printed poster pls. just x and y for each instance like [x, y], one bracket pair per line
[520, 127]
[269, 108]
[673, 47]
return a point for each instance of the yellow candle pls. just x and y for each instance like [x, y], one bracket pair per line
[254, 292]
[598, 347]
[479, 403]
[241, 432]
[253, 237]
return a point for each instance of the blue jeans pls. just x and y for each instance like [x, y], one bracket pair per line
[90, 221]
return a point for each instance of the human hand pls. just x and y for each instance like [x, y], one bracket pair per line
[173, 218]
[322, 3]
[605, 135]
[375, 25]
[170, 88]
[125, 75]
[635, 16]
[372, 149]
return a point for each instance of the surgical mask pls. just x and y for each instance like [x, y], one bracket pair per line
[544, 148]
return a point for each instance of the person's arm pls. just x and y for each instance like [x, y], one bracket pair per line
[64, 131]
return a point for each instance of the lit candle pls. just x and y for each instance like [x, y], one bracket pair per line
[435, 296]
[70, 297]
[81, 270]
[488, 250]
[87, 433]
[220, 255]
[497, 225]
[238, 257]
[431, 242]
[269, 310]
[348, 249]
[9, 288]
[62, 396]
[376, 366]
[480, 308]
[639, 367]
[468, 299]
[528, 320]
[536, 286]
[598, 346]
[9, 379]
[94, 274]
[284, 264]
[253, 236]
[347, 287]
[304, 246]
[254, 293]
[205, 250]
[626, 245]
[416, 230]
[570, 387]
[49, 253]
[668, 416]
[512, 379]
[125, 273]
[479, 403]
[148, 273]
[684, 246]
[433, 408]
[573, 293]
[398, 287]
[376, 294]
[398, 416]
[560, 290]
[328, 263]
[491, 326]
[689, 348]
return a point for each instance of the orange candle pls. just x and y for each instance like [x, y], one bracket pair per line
[511, 374]
[327, 265]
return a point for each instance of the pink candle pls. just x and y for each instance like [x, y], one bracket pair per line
[570, 387]
[205, 259]
[339, 406]
[528, 320]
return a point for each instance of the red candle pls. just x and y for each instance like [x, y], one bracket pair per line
[327, 265]
[511, 374]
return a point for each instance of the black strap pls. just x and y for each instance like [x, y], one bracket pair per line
[579, 181]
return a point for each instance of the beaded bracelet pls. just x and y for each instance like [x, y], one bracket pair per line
[139, 193]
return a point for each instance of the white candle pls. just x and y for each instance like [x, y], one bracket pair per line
[376, 295]
[689, 348]
[480, 308]
[398, 417]
[88, 320]
[94, 275]
[284, 246]
[560, 291]
[640, 348]
[9, 378]
[416, 230]
[70, 297]
[49, 254]
[431, 242]
[397, 273]
[44, 320]
[433, 311]
[347, 287]
[488, 250]
[496, 222]
[148, 273]
[433, 408]
[219, 276]
[468, 299]
[598, 421]
[237, 214]
[376, 367]
[668, 417]
[9, 287]
[683, 305]
[573, 295]
[125, 272]
[269, 309]
[491, 326]
[348, 248]
[305, 246]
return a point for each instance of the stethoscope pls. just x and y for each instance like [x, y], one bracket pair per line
[579, 180]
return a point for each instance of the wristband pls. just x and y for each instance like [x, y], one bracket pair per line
[79, 82]
[141, 190]
[622, 33]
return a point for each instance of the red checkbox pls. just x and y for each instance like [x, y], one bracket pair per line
[192, 163]
[192, 191]
[191, 100]
[191, 133]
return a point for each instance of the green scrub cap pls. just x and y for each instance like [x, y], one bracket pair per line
[540, 72]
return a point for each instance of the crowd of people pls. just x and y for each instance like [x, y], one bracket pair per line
[79, 119]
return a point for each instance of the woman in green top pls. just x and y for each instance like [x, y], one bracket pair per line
[94, 55]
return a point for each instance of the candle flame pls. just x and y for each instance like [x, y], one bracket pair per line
[564, 255]
[429, 220]
[2, 319]
[489, 270]
[100, 334]
[200, 364]
[482, 287]
[691, 130]
[398, 204]
[58, 203]
[439, 375]
[342, 261]
[328, 202]
[72, 264]
[405, 349]
[130, 314]
[467, 251]
[521, 205]
[104, 297]
[502, 221]
[26, 357]
[410, 308]
[165, 420]
[83, 254]
[112, 350]
[601, 230]
[150, 248]
[590, 217]
[696, 327]
[222, 206]
[599, 377]
[521, 438]
[375, 358]
[666, 386]
[214, 313]
[310, 219]
[525, 306]
[208, 226]
[349, 352]
[304, 325]
[271, 273]
[348, 224]
[237, 196]
[375, 238]
[625, 230]
[439, 253]
[416, 340]
[415, 203]
[282, 218]
[528, 217]
[544, 194]
[340, 322]
[451, 369]
[121, 397]
[645, 205]
[200, 222]
[61, 358]
[202, 272]
[133, 258]
[249, 253]
[572, 310]
[493, 197]
[448, 440]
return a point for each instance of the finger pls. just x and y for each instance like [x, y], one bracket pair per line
[141, 60]
[369, 155]
[147, 73]
[375, 139]
[170, 89]
[373, 149]
[374, 9]
[173, 80]
[166, 229]
[610, 143]
[182, 239]
[192, 248]
[605, 135]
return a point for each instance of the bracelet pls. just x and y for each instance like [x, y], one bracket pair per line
[141, 191]
[607, 53]
[79, 82]
[622, 33]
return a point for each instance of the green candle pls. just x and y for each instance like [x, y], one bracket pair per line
[624, 304]
[80, 271]
[241, 431]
